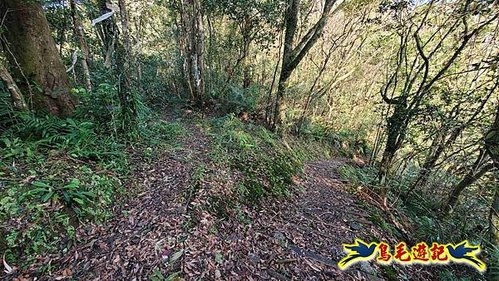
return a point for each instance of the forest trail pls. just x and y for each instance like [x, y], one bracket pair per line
[137, 139]
[165, 231]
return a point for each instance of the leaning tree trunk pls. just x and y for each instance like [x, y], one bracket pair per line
[468, 180]
[33, 54]
[292, 55]
[439, 144]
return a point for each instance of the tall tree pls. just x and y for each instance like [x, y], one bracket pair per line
[292, 56]
[124, 60]
[32, 53]
[82, 43]
[192, 48]
[414, 78]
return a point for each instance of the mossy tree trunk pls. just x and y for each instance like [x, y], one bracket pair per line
[33, 55]
[397, 125]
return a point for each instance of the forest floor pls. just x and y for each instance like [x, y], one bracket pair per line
[165, 230]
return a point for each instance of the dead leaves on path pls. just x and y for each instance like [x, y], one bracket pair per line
[159, 234]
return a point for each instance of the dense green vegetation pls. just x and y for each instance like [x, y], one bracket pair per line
[59, 173]
[405, 92]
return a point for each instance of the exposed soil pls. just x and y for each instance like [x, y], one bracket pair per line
[168, 228]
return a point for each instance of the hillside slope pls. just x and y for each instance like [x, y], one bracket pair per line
[170, 227]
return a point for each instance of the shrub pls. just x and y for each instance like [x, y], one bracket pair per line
[55, 173]
[266, 163]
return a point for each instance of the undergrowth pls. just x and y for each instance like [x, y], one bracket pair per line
[263, 163]
[58, 173]
[423, 218]
[266, 163]
[342, 141]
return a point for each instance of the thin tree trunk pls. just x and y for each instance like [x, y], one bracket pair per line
[441, 142]
[62, 33]
[492, 147]
[268, 108]
[80, 38]
[429, 163]
[15, 94]
[292, 56]
[107, 31]
[494, 217]
[405, 108]
[492, 140]
[310, 95]
[127, 99]
[468, 180]
[193, 48]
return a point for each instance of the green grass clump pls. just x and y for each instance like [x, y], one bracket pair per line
[57, 173]
[54, 173]
[356, 176]
[266, 163]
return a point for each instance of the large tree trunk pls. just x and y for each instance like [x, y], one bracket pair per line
[80, 39]
[33, 54]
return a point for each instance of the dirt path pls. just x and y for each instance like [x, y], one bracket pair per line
[297, 238]
[165, 229]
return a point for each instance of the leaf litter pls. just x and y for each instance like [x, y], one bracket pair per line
[165, 230]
